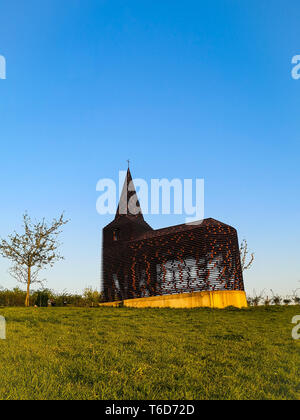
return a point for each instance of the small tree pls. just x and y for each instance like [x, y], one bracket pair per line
[244, 253]
[287, 301]
[276, 299]
[295, 298]
[91, 296]
[32, 250]
[257, 298]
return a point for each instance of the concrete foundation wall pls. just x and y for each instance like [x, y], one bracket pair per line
[216, 299]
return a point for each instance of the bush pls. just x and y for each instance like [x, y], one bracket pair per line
[92, 297]
[276, 299]
[16, 297]
[41, 297]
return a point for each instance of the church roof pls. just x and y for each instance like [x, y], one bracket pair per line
[209, 224]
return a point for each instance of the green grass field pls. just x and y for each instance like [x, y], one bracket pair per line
[121, 353]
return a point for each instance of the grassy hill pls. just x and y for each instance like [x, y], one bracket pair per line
[121, 353]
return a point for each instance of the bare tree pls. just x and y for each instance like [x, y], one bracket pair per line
[34, 249]
[19, 273]
[244, 254]
[295, 297]
[276, 299]
[257, 298]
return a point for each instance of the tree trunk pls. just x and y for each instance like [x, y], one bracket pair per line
[28, 287]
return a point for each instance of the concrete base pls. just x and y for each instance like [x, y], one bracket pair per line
[217, 299]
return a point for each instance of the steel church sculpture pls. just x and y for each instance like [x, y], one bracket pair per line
[181, 266]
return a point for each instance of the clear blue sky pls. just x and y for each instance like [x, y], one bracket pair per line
[186, 89]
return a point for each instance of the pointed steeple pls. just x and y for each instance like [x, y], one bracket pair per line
[129, 205]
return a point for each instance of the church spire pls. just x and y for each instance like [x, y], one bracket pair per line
[129, 204]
